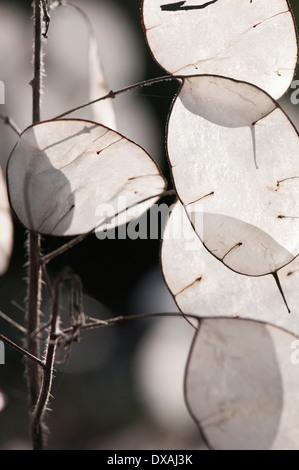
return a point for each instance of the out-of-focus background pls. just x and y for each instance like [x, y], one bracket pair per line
[123, 386]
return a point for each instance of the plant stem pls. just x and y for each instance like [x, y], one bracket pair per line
[54, 335]
[7, 120]
[122, 319]
[34, 282]
[75, 241]
[113, 94]
[13, 323]
[22, 351]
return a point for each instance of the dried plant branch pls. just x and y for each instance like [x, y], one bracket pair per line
[112, 94]
[13, 323]
[34, 283]
[67, 246]
[55, 335]
[37, 422]
[96, 323]
[38, 361]
[7, 120]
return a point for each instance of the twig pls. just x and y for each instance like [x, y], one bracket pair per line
[7, 120]
[34, 283]
[67, 246]
[75, 241]
[277, 280]
[54, 335]
[113, 94]
[77, 318]
[46, 278]
[48, 368]
[22, 351]
[13, 323]
[121, 319]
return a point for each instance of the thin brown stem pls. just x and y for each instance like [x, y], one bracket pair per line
[121, 319]
[13, 323]
[46, 279]
[7, 120]
[54, 335]
[75, 241]
[34, 283]
[36, 360]
[67, 246]
[113, 94]
[46, 385]
[46, 17]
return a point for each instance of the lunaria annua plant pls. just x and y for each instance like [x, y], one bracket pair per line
[229, 254]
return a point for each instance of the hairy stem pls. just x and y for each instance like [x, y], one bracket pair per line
[46, 385]
[34, 281]
[22, 351]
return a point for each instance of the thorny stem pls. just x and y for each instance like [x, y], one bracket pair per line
[34, 282]
[49, 363]
[113, 94]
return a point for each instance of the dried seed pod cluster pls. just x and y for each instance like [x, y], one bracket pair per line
[234, 156]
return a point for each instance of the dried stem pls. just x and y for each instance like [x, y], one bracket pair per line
[54, 335]
[113, 94]
[75, 241]
[34, 282]
[122, 319]
[46, 17]
[45, 391]
[7, 120]
[22, 351]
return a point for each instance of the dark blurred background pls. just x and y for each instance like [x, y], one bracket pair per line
[123, 386]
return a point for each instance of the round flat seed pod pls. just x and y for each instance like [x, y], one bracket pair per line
[241, 385]
[234, 38]
[204, 287]
[67, 177]
[235, 163]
